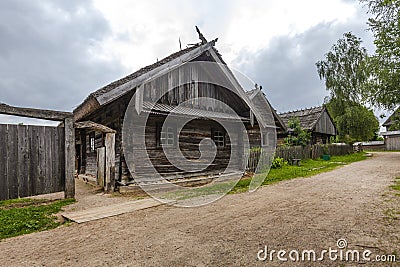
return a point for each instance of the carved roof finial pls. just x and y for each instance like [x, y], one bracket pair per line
[201, 36]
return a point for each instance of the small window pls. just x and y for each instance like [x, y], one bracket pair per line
[219, 138]
[167, 136]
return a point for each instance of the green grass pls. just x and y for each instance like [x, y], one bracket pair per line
[24, 216]
[396, 186]
[308, 168]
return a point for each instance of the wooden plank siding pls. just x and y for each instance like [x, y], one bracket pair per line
[31, 160]
[392, 142]
[325, 125]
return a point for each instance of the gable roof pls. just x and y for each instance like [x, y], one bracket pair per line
[308, 117]
[122, 86]
[119, 87]
[390, 120]
[278, 120]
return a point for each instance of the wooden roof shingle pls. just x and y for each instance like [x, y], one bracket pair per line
[308, 117]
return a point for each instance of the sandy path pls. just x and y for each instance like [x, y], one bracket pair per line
[305, 213]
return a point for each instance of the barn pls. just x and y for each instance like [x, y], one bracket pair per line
[316, 120]
[164, 89]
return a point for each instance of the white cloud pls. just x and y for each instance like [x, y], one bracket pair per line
[146, 30]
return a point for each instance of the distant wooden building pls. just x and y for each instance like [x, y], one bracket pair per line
[316, 120]
[392, 140]
[107, 107]
[391, 120]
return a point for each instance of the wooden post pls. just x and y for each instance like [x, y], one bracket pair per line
[110, 162]
[69, 190]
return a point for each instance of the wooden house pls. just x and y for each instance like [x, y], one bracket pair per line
[391, 120]
[105, 110]
[316, 120]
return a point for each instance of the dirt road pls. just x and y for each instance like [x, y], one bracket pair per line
[351, 202]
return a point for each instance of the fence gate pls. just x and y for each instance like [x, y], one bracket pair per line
[36, 160]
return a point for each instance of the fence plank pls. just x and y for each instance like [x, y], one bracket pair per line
[3, 162]
[49, 160]
[33, 159]
[23, 161]
[12, 162]
[40, 182]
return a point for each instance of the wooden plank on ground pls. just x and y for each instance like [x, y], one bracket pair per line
[111, 210]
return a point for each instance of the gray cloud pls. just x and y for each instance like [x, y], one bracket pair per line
[286, 68]
[47, 53]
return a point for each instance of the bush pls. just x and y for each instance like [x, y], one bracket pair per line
[278, 163]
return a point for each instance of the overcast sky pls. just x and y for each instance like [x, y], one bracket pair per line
[53, 53]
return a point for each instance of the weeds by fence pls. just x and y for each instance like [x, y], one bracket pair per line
[297, 152]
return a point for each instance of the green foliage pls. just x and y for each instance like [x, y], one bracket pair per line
[354, 122]
[344, 68]
[23, 216]
[297, 136]
[278, 163]
[351, 74]
[396, 121]
[384, 65]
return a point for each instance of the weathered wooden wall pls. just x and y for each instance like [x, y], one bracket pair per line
[392, 142]
[32, 160]
[325, 125]
[189, 139]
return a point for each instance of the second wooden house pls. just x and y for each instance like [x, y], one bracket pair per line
[315, 120]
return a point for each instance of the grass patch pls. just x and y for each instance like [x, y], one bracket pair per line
[24, 216]
[308, 168]
[396, 186]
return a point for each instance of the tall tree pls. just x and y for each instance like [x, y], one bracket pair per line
[346, 74]
[344, 68]
[384, 89]
[353, 121]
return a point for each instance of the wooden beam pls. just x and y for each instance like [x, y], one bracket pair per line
[110, 162]
[34, 113]
[93, 126]
[69, 190]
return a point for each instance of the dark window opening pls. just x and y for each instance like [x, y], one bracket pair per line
[219, 138]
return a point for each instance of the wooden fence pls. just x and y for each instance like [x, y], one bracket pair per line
[36, 160]
[32, 160]
[297, 152]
